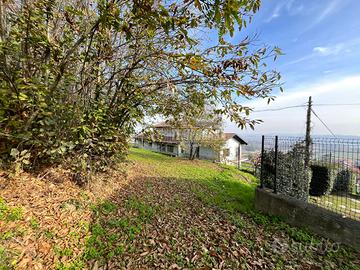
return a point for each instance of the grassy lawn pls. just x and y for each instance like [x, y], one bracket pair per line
[348, 206]
[164, 213]
[169, 189]
[230, 188]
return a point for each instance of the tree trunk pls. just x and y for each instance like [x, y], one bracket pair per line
[191, 151]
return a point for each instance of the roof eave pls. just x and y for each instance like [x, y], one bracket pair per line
[241, 141]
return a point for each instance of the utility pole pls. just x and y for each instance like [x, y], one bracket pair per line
[308, 134]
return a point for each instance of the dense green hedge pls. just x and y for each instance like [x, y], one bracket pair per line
[326, 179]
[268, 170]
[292, 176]
[344, 181]
[322, 180]
[294, 180]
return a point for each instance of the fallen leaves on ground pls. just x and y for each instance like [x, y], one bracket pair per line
[146, 222]
[184, 233]
[55, 216]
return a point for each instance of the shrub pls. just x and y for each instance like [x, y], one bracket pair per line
[268, 169]
[322, 180]
[292, 176]
[344, 181]
[76, 80]
[84, 142]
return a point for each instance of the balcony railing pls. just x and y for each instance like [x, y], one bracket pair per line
[167, 139]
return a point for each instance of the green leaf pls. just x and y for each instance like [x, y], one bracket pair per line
[23, 97]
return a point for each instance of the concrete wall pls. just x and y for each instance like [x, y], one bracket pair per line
[318, 220]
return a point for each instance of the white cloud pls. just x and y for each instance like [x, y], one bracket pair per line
[275, 13]
[293, 9]
[331, 50]
[324, 12]
[330, 8]
[321, 88]
[299, 60]
[341, 119]
[287, 6]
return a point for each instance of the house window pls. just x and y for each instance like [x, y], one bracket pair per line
[163, 148]
[170, 148]
[226, 152]
[150, 144]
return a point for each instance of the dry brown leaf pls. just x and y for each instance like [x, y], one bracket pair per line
[44, 247]
[25, 262]
[144, 253]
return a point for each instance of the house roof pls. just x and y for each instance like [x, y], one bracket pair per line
[229, 135]
[168, 124]
[162, 124]
[139, 135]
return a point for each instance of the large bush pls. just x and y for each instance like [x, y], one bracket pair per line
[77, 78]
[322, 180]
[268, 169]
[292, 176]
[345, 181]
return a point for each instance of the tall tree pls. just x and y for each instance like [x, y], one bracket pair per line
[78, 75]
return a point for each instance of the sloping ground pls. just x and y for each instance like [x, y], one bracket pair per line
[44, 220]
[168, 214]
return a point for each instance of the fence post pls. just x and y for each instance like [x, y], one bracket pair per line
[262, 162]
[276, 163]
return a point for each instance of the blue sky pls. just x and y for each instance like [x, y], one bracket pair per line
[321, 42]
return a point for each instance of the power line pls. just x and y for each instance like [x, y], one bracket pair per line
[280, 109]
[338, 104]
[306, 105]
[318, 117]
[303, 105]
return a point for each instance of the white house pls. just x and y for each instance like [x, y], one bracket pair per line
[170, 140]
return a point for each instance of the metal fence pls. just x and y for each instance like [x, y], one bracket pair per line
[326, 174]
